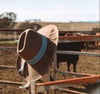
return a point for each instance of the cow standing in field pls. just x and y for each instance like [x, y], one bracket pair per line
[70, 59]
[97, 43]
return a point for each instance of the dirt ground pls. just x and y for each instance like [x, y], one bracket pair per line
[86, 64]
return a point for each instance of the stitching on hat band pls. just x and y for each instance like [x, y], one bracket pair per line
[40, 53]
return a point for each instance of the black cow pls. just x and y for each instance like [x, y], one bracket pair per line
[70, 59]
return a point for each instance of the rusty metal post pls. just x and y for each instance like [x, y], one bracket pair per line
[55, 66]
[55, 69]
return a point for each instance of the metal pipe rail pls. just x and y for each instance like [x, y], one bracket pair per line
[62, 52]
[66, 83]
[11, 30]
[9, 47]
[7, 67]
[74, 73]
[71, 91]
[61, 32]
[67, 39]
[78, 53]
[9, 42]
[80, 80]
[79, 38]
[11, 82]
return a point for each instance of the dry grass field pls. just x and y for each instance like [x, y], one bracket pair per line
[68, 26]
[86, 64]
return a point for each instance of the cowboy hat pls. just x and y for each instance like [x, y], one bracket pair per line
[36, 50]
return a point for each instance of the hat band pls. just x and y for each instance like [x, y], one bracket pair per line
[40, 53]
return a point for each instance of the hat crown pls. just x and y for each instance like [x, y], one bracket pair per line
[29, 44]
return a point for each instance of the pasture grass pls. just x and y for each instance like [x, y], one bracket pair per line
[86, 64]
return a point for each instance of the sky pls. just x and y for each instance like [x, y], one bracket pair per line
[52, 10]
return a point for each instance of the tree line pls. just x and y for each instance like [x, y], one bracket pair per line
[8, 21]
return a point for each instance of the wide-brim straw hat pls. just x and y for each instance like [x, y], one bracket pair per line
[36, 51]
